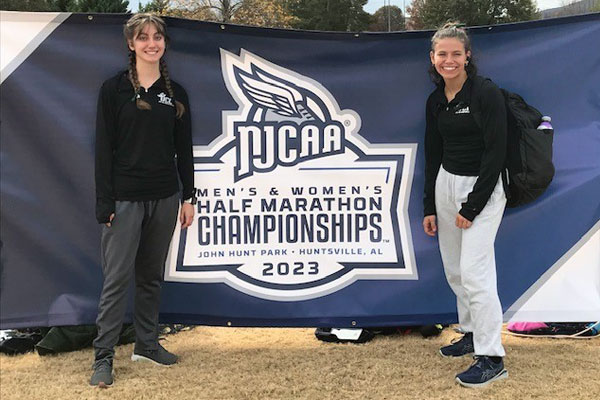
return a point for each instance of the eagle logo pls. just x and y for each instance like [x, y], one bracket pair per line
[286, 120]
[277, 99]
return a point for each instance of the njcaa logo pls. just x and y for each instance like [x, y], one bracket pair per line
[164, 99]
[293, 203]
[288, 124]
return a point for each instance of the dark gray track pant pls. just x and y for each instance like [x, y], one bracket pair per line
[136, 244]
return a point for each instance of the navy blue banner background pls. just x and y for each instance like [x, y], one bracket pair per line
[50, 272]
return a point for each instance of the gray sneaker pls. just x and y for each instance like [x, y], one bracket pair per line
[160, 356]
[103, 374]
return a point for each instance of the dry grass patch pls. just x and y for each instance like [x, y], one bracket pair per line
[278, 363]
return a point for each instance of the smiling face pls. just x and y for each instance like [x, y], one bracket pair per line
[148, 44]
[449, 58]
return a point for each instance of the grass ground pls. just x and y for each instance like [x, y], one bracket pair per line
[277, 363]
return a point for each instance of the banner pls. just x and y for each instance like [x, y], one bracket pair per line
[308, 155]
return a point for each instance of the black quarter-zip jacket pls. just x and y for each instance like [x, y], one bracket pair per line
[139, 153]
[454, 140]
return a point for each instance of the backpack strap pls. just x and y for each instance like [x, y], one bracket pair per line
[475, 104]
[475, 107]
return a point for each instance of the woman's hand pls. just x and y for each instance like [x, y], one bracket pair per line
[429, 225]
[186, 216]
[462, 222]
[109, 223]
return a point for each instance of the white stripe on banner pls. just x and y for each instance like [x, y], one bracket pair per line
[567, 292]
[21, 33]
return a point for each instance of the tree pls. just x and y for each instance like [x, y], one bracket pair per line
[387, 18]
[107, 6]
[207, 10]
[430, 14]
[225, 8]
[265, 13]
[26, 5]
[574, 7]
[191, 9]
[515, 11]
[103, 6]
[156, 6]
[64, 5]
[330, 15]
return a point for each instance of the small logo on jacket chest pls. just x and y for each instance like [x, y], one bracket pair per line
[164, 99]
[464, 110]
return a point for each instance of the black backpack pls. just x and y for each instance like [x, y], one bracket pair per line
[529, 169]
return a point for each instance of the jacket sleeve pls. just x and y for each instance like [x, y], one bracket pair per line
[433, 157]
[183, 147]
[105, 143]
[494, 131]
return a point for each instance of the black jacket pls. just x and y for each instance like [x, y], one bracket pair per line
[455, 140]
[140, 153]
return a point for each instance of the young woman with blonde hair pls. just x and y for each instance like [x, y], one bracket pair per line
[465, 150]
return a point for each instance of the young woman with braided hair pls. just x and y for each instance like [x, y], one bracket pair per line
[464, 197]
[143, 149]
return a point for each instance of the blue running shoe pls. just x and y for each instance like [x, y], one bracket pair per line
[460, 347]
[482, 372]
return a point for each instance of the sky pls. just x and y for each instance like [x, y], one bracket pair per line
[374, 5]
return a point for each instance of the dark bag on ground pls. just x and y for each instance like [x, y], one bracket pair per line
[61, 339]
[341, 335]
[363, 335]
[20, 341]
[529, 150]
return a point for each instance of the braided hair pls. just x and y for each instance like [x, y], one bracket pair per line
[179, 107]
[452, 30]
[132, 28]
[133, 78]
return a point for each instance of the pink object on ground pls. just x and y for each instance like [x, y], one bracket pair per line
[521, 327]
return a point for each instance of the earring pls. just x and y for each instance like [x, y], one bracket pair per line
[466, 63]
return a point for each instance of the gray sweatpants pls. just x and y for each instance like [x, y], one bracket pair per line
[136, 243]
[469, 259]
